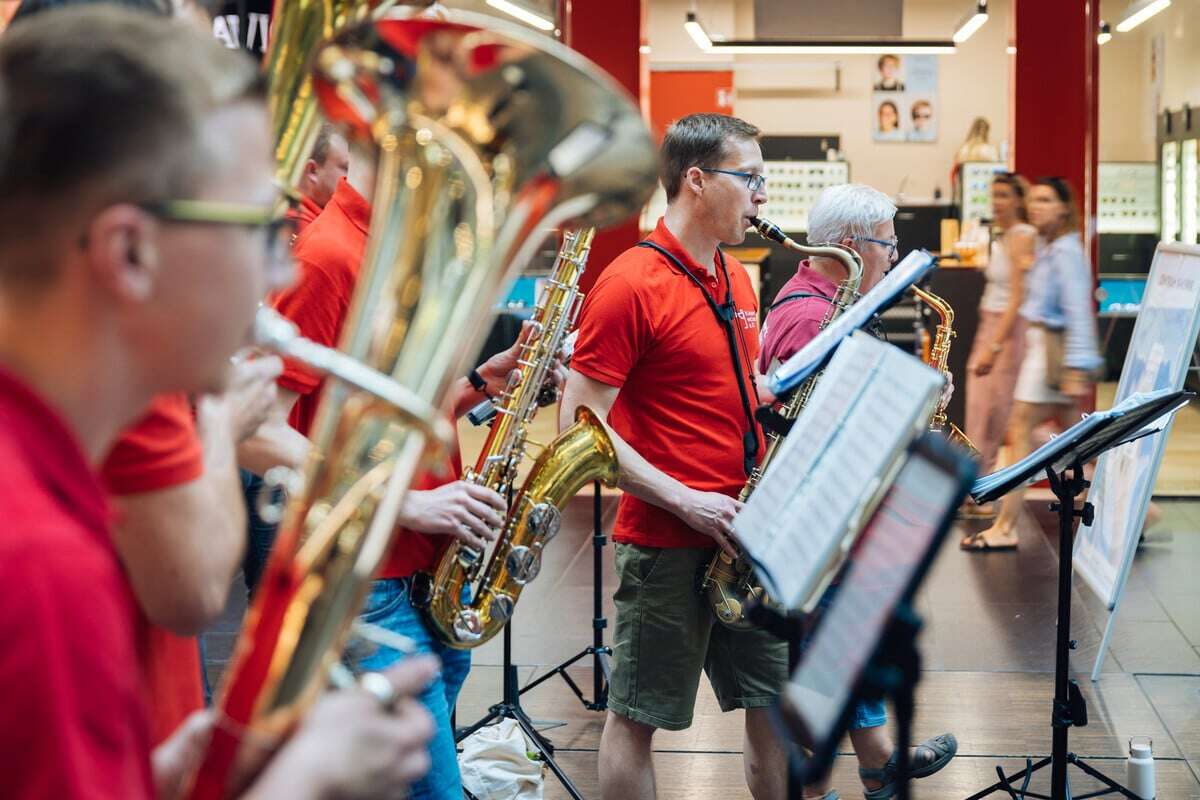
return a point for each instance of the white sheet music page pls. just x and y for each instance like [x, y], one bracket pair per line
[867, 406]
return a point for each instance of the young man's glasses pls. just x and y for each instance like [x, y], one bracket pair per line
[754, 181]
[278, 228]
[890, 244]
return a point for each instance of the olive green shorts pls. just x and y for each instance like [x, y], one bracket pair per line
[666, 632]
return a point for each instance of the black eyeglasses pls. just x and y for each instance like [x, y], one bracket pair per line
[892, 245]
[279, 229]
[754, 181]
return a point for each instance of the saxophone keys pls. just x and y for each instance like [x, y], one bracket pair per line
[502, 607]
[523, 565]
[545, 521]
[468, 626]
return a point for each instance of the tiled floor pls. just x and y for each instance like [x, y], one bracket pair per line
[988, 658]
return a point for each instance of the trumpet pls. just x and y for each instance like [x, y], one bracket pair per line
[729, 583]
[487, 135]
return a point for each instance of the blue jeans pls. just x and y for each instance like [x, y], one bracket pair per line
[867, 713]
[259, 535]
[388, 606]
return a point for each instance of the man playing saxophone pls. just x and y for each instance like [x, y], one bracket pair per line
[861, 218]
[666, 348]
[439, 508]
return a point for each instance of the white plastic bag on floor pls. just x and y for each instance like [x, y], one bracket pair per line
[495, 764]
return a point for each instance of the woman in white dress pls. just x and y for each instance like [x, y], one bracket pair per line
[1000, 338]
[1060, 341]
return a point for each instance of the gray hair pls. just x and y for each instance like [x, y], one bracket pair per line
[846, 211]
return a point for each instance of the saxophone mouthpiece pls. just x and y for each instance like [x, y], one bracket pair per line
[768, 230]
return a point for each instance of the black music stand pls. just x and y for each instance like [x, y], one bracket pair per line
[1063, 460]
[600, 653]
[934, 479]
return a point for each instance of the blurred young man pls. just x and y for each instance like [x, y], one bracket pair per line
[129, 268]
[328, 164]
[666, 349]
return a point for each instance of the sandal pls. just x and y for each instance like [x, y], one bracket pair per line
[930, 756]
[978, 543]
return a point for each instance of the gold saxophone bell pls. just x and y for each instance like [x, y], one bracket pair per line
[487, 135]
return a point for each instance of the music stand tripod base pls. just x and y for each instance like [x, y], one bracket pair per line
[1069, 708]
[600, 653]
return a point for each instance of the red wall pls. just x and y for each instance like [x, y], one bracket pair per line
[1056, 101]
[1056, 97]
[609, 33]
[677, 94]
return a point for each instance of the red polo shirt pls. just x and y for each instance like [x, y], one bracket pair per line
[647, 329]
[161, 451]
[304, 213]
[72, 723]
[796, 322]
[329, 253]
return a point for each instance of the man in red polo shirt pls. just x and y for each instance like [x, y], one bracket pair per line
[860, 218]
[666, 348]
[439, 508]
[122, 278]
[328, 164]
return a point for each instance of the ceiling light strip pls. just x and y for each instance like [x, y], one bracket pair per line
[1138, 13]
[523, 14]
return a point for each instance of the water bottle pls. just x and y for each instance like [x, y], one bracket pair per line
[1139, 768]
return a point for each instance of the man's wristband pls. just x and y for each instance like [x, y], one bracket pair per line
[477, 381]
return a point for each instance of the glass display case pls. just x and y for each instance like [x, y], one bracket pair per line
[1170, 191]
[975, 189]
[1189, 180]
[792, 187]
[1127, 198]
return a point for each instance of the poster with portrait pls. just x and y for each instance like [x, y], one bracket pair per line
[904, 98]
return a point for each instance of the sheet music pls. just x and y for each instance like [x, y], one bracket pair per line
[894, 544]
[915, 266]
[1077, 441]
[867, 406]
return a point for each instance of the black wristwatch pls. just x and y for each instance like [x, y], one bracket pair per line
[477, 381]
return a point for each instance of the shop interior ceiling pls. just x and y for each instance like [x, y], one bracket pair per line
[800, 19]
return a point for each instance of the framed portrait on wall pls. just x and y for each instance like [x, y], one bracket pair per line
[904, 99]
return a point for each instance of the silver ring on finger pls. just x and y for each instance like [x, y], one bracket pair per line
[379, 687]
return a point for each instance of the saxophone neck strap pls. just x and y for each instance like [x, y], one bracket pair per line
[724, 313]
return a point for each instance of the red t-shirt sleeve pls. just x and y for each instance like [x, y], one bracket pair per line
[615, 330]
[160, 451]
[317, 305]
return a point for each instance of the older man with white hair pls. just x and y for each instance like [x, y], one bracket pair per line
[861, 218]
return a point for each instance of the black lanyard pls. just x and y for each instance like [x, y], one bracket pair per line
[724, 315]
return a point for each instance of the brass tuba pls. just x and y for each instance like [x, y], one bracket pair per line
[487, 135]
[579, 455]
[729, 583]
[939, 359]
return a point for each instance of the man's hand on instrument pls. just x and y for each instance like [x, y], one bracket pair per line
[470, 513]
[248, 397]
[947, 392]
[361, 744]
[176, 759]
[711, 513]
[499, 370]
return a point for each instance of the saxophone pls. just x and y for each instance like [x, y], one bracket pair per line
[486, 136]
[729, 583]
[939, 359]
[579, 455]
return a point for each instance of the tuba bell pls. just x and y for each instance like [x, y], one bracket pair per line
[488, 136]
